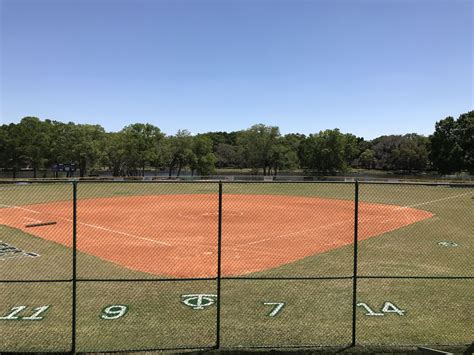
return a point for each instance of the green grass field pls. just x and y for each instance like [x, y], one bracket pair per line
[314, 312]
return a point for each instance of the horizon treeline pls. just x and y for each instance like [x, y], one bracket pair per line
[40, 144]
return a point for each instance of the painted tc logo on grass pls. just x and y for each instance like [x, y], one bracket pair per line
[198, 301]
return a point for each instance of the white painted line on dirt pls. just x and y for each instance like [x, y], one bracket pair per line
[123, 233]
[20, 208]
[350, 220]
[257, 241]
[32, 219]
[95, 226]
[234, 248]
[294, 233]
[188, 217]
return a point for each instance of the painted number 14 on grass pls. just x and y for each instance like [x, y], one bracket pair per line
[388, 307]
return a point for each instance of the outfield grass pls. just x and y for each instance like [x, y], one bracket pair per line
[316, 312]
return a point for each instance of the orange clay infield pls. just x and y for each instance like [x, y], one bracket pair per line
[176, 235]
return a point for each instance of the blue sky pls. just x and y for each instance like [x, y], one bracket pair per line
[369, 67]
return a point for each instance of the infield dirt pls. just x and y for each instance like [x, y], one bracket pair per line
[176, 235]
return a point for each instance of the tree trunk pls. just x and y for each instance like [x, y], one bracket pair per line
[179, 170]
[82, 167]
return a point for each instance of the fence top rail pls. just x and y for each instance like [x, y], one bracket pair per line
[170, 181]
[413, 183]
[217, 181]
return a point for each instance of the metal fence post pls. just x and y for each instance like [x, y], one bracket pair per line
[354, 275]
[219, 262]
[74, 264]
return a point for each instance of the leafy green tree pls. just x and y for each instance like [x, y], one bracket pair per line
[3, 146]
[367, 159]
[34, 142]
[293, 141]
[62, 143]
[384, 147]
[115, 153]
[89, 148]
[324, 152]
[362, 144]
[37, 145]
[351, 148]
[282, 157]
[203, 160]
[218, 138]
[11, 154]
[446, 154]
[226, 155]
[141, 144]
[257, 146]
[178, 151]
[465, 133]
[396, 152]
[411, 154]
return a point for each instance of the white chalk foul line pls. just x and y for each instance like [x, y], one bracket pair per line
[350, 220]
[122, 233]
[93, 226]
[32, 219]
[294, 233]
[370, 219]
[282, 235]
[438, 200]
[19, 208]
[257, 241]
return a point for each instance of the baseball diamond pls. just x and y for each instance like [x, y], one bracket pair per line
[168, 235]
[236, 176]
[235, 264]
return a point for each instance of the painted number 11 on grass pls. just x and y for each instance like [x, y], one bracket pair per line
[15, 313]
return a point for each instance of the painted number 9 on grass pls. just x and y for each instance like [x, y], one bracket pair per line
[114, 311]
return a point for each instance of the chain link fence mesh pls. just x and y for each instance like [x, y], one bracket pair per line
[117, 266]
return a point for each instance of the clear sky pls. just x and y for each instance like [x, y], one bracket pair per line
[369, 67]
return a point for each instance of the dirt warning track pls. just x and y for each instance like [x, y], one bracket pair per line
[176, 235]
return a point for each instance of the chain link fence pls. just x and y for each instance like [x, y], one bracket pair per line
[135, 266]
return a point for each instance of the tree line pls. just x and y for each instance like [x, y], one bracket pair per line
[39, 144]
